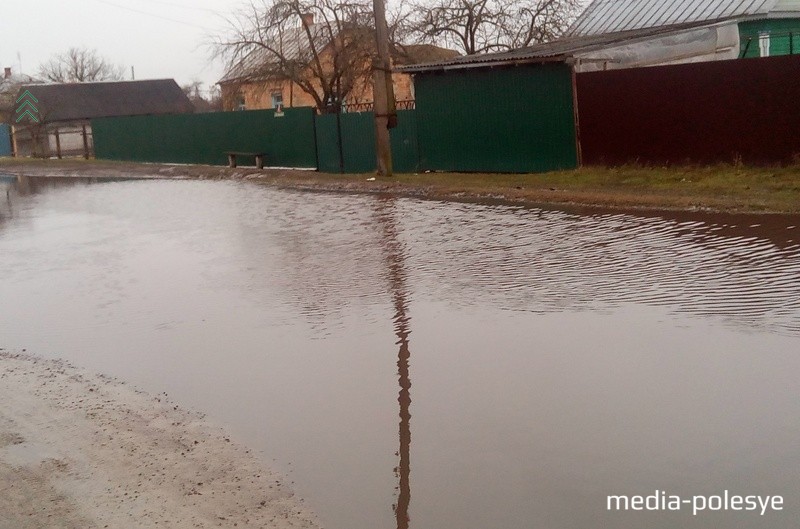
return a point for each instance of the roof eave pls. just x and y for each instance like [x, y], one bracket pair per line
[614, 39]
[421, 68]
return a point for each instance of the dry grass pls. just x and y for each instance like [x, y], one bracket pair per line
[720, 187]
[723, 187]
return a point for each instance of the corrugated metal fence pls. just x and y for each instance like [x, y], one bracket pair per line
[517, 119]
[353, 151]
[287, 140]
[297, 138]
[745, 110]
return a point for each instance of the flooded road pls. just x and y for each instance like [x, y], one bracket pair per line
[423, 364]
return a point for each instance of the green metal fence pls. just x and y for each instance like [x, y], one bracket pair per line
[777, 36]
[353, 151]
[296, 139]
[517, 119]
[287, 140]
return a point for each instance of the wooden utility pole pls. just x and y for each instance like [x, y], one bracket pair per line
[14, 149]
[382, 91]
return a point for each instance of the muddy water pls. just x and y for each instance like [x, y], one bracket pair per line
[420, 364]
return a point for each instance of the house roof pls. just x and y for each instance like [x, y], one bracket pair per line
[295, 44]
[80, 101]
[612, 16]
[14, 81]
[557, 51]
[9, 87]
[408, 54]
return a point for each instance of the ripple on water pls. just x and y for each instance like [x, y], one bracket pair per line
[529, 259]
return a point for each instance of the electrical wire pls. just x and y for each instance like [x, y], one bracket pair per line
[182, 6]
[154, 15]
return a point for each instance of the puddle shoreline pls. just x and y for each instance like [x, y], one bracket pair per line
[407, 363]
[79, 450]
[532, 195]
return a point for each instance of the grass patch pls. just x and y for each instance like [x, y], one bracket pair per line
[723, 187]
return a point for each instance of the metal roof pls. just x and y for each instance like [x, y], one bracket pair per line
[80, 101]
[293, 46]
[557, 51]
[611, 16]
[260, 64]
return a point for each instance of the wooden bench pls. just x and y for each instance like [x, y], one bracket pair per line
[258, 155]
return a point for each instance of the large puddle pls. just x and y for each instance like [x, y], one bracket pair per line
[422, 364]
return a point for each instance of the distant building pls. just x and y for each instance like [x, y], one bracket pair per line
[698, 30]
[533, 125]
[9, 86]
[245, 87]
[65, 111]
[614, 34]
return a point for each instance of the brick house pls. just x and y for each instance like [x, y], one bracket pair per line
[245, 88]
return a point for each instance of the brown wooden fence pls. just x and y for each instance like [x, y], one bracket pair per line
[742, 110]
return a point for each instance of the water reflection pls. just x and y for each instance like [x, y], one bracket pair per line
[23, 185]
[6, 184]
[395, 263]
[552, 261]
[557, 354]
[739, 270]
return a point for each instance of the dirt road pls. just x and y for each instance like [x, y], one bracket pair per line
[81, 451]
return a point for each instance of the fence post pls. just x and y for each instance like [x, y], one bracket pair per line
[316, 140]
[576, 117]
[747, 47]
[339, 137]
[58, 144]
[14, 151]
[85, 142]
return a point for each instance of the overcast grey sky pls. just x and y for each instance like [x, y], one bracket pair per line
[160, 38]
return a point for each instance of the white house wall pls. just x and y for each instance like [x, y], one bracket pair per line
[70, 138]
[698, 45]
[787, 6]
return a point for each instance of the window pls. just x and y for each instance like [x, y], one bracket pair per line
[240, 102]
[277, 99]
[763, 44]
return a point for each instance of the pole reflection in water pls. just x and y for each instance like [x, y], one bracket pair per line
[397, 286]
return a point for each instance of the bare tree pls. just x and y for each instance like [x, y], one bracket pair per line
[481, 26]
[325, 47]
[79, 65]
[212, 102]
